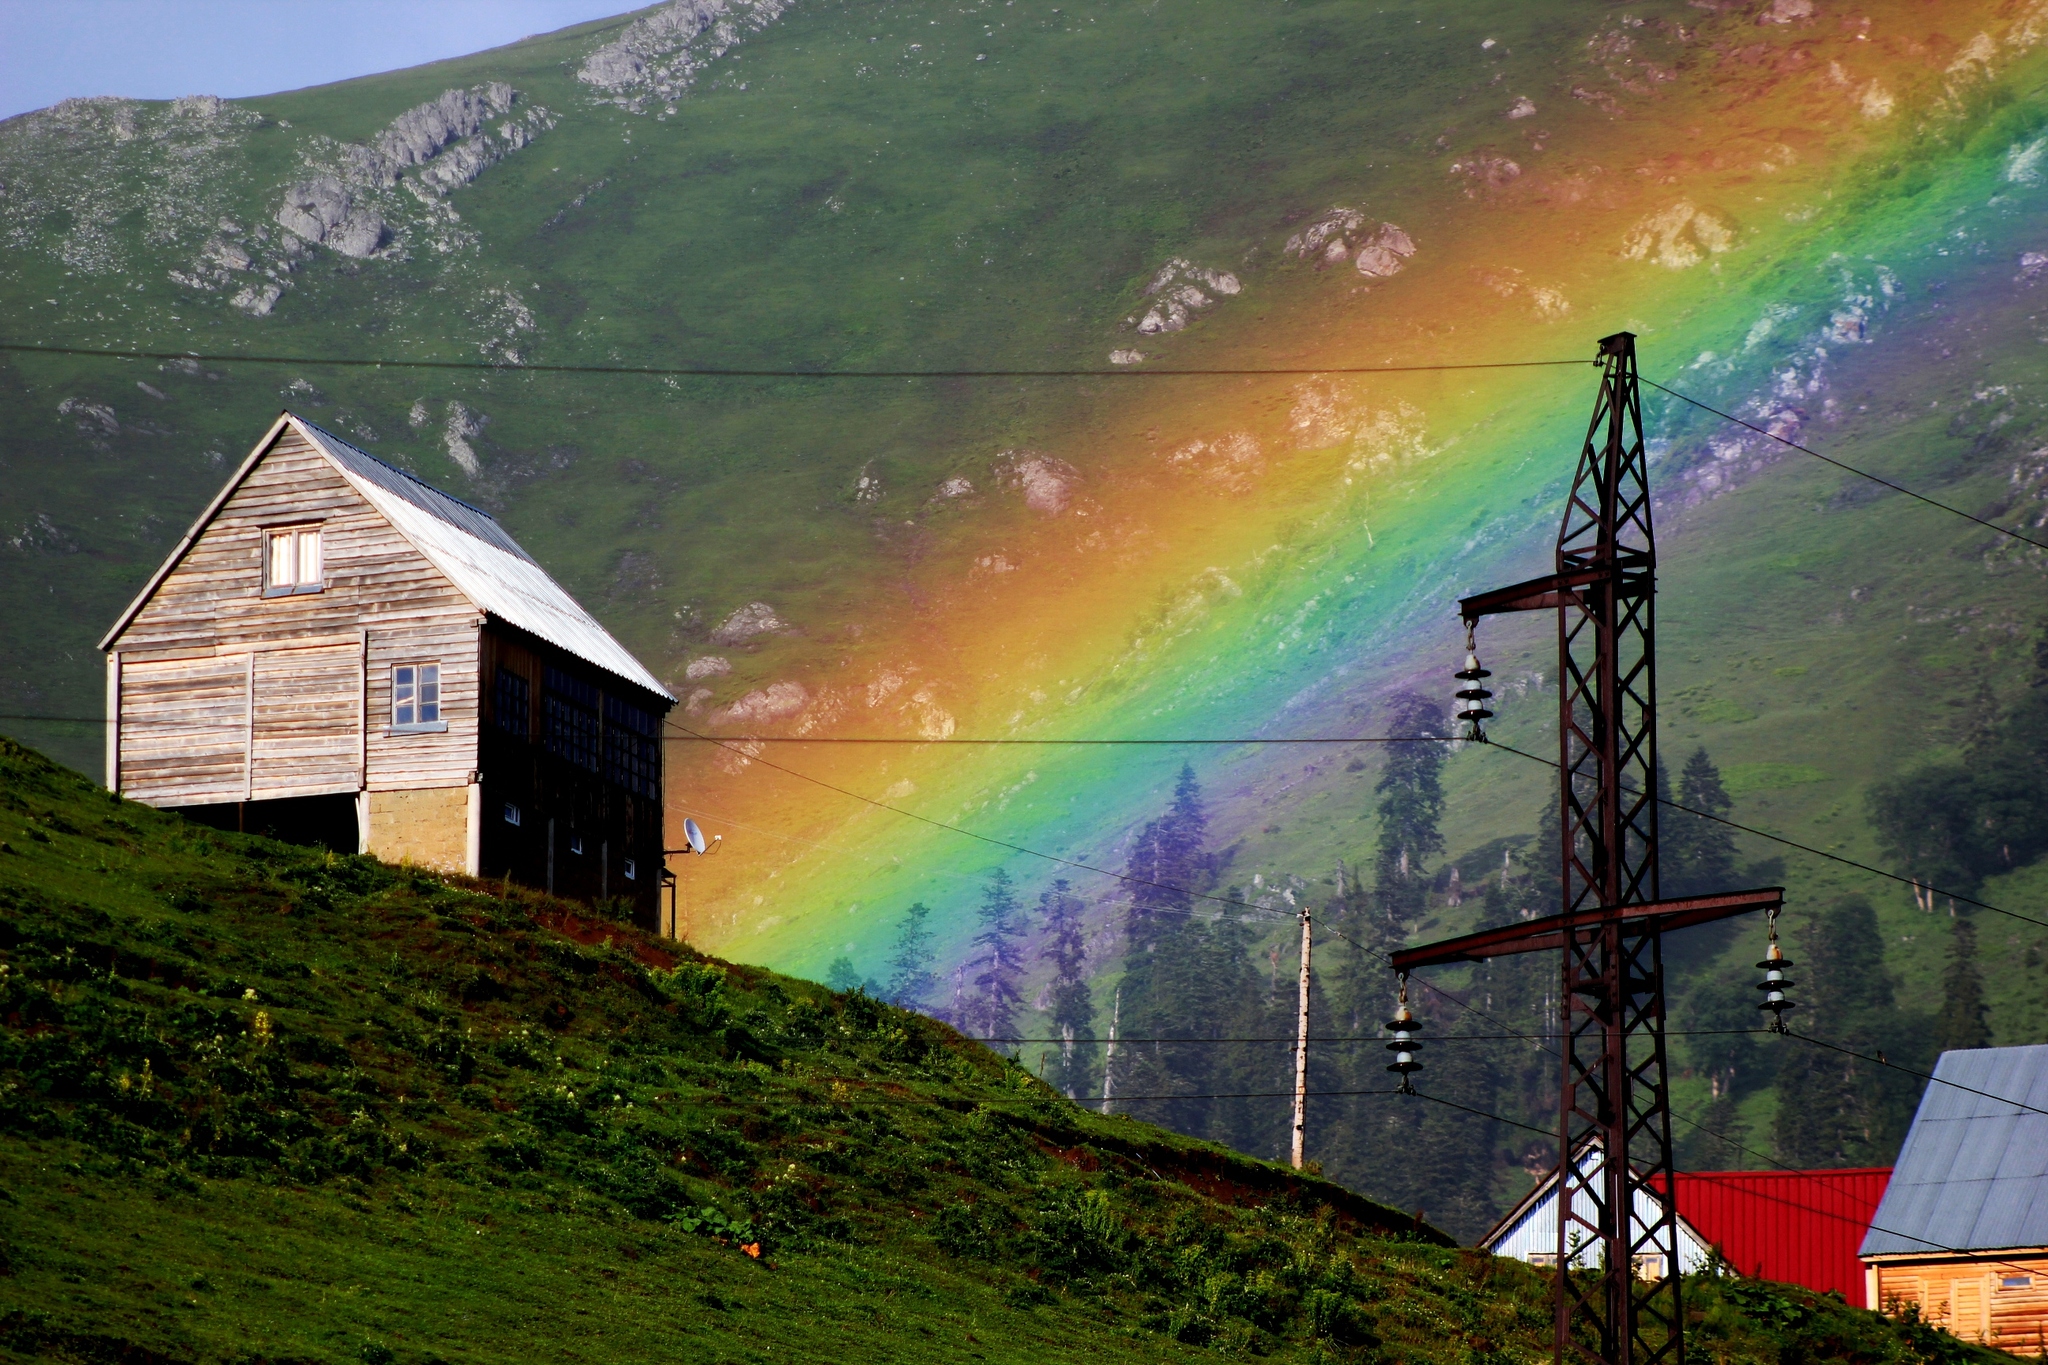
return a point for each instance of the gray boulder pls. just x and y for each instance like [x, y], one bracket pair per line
[313, 208]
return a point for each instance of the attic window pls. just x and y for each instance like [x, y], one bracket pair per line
[291, 563]
[416, 698]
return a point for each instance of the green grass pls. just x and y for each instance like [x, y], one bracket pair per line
[260, 1102]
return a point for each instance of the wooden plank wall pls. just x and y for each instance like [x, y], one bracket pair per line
[383, 604]
[305, 731]
[1978, 1299]
[190, 749]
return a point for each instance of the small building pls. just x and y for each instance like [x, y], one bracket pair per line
[1528, 1232]
[337, 652]
[1963, 1227]
[1796, 1227]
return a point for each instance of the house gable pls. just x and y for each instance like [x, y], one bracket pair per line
[210, 592]
[225, 692]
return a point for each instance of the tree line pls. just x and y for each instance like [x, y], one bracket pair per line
[1190, 975]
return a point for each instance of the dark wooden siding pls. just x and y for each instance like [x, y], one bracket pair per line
[560, 802]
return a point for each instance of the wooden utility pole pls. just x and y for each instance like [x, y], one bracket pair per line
[1116, 1014]
[1301, 1047]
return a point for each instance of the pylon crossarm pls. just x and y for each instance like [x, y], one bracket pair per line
[1547, 933]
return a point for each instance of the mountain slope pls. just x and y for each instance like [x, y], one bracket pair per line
[1822, 224]
[260, 1102]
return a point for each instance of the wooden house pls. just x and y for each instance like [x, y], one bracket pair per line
[337, 652]
[1962, 1230]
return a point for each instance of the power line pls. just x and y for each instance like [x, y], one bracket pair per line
[1103, 743]
[1881, 1060]
[722, 372]
[1803, 848]
[1773, 1161]
[983, 838]
[1379, 1038]
[1860, 473]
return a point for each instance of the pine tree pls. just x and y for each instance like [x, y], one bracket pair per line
[910, 962]
[1697, 856]
[842, 975]
[1411, 805]
[1964, 1018]
[1837, 1109]
[1071, 1007]
[999, 980]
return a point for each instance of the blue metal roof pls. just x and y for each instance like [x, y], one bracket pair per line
[1973, 1175]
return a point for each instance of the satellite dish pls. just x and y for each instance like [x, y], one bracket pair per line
[693, 836]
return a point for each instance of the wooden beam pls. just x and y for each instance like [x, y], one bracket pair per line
[1537, 935]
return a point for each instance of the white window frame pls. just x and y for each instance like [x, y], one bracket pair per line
[416, 707]
[304, 567]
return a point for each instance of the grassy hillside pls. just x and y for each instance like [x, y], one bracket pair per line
[980, 186]
[263, 1103]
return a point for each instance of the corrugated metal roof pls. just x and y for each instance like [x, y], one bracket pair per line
[483, 562]
[1973, 1175]
[1801, 1227]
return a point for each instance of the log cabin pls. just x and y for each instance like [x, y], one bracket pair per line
[339, 653]
[1962, 1231]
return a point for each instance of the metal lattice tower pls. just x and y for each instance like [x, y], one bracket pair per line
[1615, 1092]
[1614, 1124]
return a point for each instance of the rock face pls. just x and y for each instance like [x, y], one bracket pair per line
[659, 55]
[755, 618]
[258, 299]
[463, 427]
[415, 136]
[764, 706]
[349, 209]
[321, 211]
[1678, 237]
[708, 666]
[1342, 234]
[1178, 286]
[1047, 484]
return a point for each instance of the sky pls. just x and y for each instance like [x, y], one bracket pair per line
[52, 50]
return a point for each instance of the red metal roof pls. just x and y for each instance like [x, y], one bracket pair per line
[1801, 1227]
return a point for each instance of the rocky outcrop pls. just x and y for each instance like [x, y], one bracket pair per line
[755, 618]
[463, 426]
[764, 706]
[1485, 172]
[320, 210]
[1678, 237]
[1378, 250]
[1178, 287]
[418, 134]
[346, 206]
[658, 56]
[258, 299]
[1047, 484]
[706, 666]
[92, 418]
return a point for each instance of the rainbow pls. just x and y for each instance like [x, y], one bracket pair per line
[1266, 555]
